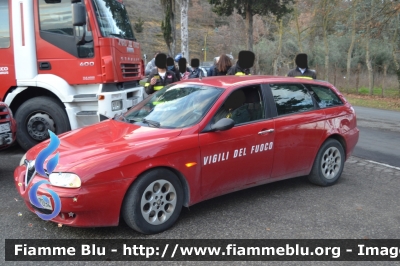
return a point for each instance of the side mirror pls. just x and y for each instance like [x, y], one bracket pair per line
[223, 124]
[78, 15]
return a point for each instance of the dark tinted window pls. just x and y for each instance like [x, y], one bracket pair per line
[4, 25]
[324, 96]
[291, 98]
[243, 105]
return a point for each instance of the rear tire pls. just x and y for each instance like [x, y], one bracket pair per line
[35, 116]
[153, 203]
[328, 164]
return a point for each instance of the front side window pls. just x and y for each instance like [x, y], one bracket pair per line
[56, 27]
[4, 25]
[242, 106]
[324, 96]
[56, 18]
[174, 106]
[113, 19]
[291, 98]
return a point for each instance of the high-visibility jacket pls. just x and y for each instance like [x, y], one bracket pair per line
[238, 71]
[168, 79]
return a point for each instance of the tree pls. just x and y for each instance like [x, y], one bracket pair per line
[184, 29]
[169, 26]
[248, 9]
[167, 29]
[353, 40]
[138, 26]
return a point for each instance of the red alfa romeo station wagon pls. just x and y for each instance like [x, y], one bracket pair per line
[191, 141]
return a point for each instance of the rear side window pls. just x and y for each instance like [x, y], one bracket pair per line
[324, 96]
[291, 98]
[4, 25]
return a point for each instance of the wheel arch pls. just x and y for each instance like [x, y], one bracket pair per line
[178, 174]
[32, 92]
[341, 140]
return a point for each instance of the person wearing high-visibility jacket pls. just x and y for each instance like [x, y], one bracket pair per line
[160, 76]
[243, 65]
[302, 70]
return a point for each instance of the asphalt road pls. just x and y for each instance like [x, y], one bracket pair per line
[362, 205]
[379, 135]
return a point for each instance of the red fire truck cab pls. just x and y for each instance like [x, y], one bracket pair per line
[66, 64]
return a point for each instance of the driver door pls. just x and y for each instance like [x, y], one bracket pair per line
[241, 156]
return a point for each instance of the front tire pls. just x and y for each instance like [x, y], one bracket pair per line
[328, 165]
[35, 116]
[153, 203]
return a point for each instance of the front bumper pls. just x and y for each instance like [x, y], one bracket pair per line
[94, 206]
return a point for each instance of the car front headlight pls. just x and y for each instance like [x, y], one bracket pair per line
[22, 162]
[67, 180]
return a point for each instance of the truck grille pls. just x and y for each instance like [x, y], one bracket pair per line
[130, 70]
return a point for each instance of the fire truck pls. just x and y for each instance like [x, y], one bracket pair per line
[65, 64]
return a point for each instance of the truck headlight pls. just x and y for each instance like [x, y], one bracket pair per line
[116, 105]
[67, 180]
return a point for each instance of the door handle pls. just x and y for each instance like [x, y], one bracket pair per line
[266, 131]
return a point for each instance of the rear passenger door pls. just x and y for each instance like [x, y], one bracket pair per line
[299, 128]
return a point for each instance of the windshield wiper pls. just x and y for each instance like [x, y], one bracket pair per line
[117, 35]
[151, 122]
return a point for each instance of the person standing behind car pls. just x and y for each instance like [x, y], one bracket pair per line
[211, 69]
[183, 70]
[243, 65]
[223, 65]
[302, 69]
[196, 71]
[160, 76]
[171, 67]
[150, 65]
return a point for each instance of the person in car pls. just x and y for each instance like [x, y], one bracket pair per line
[160, 76]
[223, 65]
[302, 69]
[243, 65]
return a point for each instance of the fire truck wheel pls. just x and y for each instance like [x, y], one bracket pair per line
[35, 116]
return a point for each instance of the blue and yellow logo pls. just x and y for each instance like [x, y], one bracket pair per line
[43, 202]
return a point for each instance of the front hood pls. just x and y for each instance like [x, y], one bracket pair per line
[101, 140]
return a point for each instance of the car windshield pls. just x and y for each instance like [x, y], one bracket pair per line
[174, 106]
[113, 19]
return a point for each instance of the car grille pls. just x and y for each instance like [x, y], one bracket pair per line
[130, 70]
[30, 173]
[42, 210]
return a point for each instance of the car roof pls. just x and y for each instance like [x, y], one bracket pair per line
[232, 82]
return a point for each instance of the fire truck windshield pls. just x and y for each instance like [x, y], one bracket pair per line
[113, 19]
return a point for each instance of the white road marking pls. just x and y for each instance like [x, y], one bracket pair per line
[383, 164]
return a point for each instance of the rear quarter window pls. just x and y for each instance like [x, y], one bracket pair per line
[324, 96]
